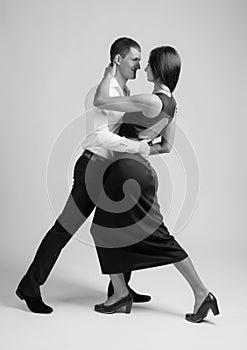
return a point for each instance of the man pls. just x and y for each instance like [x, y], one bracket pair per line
[98, 146]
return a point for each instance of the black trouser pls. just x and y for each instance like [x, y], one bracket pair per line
[77, 209]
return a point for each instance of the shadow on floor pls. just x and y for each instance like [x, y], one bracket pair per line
[57, 291]
[54, 291]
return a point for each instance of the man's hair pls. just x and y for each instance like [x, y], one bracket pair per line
[165, 64]
[122, 46]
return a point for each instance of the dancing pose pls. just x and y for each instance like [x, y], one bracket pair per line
[131, 235]
[98, 146]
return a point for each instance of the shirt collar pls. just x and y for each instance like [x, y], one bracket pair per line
[114, 83]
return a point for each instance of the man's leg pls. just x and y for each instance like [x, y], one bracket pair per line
[77, 209]
[53, 242]
[137, 298]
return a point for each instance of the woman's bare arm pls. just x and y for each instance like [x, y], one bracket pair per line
[149, 104]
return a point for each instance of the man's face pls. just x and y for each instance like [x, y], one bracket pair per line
[129, 64]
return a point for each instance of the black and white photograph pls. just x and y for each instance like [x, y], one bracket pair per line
[124, 166]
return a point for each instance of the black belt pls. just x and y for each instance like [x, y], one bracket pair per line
[88, 154]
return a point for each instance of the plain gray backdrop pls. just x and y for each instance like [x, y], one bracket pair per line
[53, 52]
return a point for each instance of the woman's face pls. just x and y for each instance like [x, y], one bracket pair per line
[148, 70]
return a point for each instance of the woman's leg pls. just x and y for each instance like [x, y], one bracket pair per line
[187, 269]
[120, 288]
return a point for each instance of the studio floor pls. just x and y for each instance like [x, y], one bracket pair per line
[159, 324]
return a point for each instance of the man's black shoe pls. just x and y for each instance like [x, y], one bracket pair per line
[137, 298]
[35, 304]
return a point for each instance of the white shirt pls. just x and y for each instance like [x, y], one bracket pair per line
[101, 127]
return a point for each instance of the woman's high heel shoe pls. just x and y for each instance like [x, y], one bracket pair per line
[209, 302]
[124, 304]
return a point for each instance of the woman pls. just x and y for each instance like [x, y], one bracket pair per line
[131, 235]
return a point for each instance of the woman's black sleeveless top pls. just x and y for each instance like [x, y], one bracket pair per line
[133, 123]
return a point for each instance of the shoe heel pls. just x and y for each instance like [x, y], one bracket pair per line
[215, 308]
[19, 295]
[128, 307]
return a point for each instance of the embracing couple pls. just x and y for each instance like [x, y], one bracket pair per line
[114, 176]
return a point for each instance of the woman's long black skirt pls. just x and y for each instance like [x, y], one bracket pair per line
[128, 228]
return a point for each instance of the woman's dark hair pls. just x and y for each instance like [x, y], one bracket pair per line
[165, 65]
[122, 46]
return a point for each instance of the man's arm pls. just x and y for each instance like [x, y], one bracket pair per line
[108, 140]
